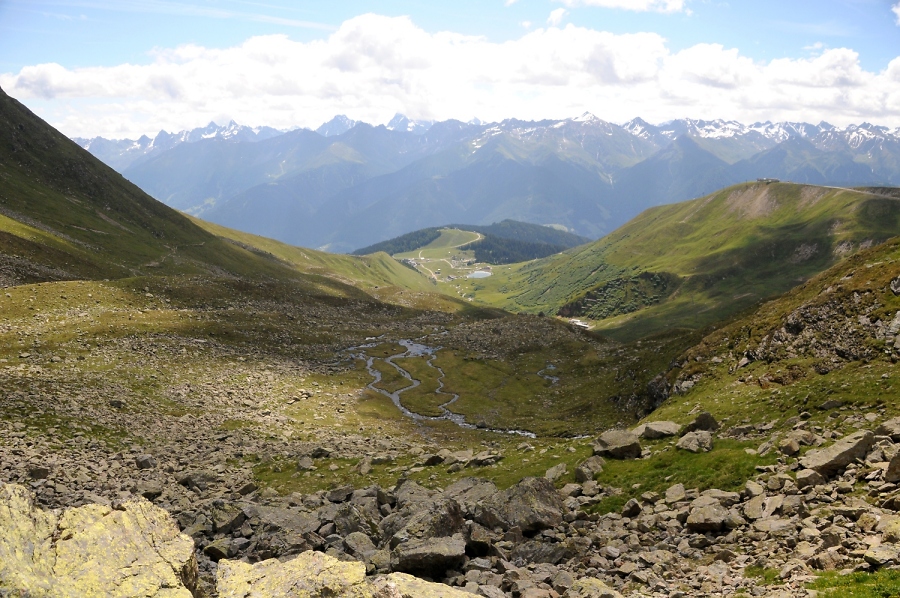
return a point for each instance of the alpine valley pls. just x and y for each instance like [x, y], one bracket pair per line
[573, 359]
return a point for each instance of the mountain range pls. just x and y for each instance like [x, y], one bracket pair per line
[350, 184]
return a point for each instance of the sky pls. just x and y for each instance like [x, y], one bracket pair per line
[123, 68]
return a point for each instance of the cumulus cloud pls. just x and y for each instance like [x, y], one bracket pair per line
[374, 66]
[896, 9]
[556, 16]
[636, 5]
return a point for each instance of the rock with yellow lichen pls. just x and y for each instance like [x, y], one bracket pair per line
[316, 575]
[134, 550]
[310, 575]
[402, 585]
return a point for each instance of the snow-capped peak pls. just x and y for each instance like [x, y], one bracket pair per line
[587, 117]
[401, 123]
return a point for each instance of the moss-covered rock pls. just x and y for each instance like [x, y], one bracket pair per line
[133, 550]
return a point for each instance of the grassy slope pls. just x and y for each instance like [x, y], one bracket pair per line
[368, 272]
[783, 383]
[66, 215]
[721, 254]
[77, 218]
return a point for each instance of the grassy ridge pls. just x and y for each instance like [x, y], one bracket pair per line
[365, 271]
[726, 252]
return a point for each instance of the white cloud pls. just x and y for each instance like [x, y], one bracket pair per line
[896, 9]
[556, 16]
[636, 5]
[375, 66]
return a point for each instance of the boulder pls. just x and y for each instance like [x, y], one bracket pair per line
[429, 555]
[360, 545]
[809, 477]
[661, 429]
[891, 533]
[708, 518]
[134, 550]
[830, 460]
[675, 493]
[281, 519]
[618, 444]
[149, 490]
[431, 541]
[310, 574]
[226, 517]
[198, 480]
[589, 587]
[223, 548]
[885, 554]
[704, 421]
[890, 428]
[696, 442]
[892, 473]
[555, 472]
[145, 462]
[531, 505]
[469, 491]
[401, 585]
[588, 469]
[632, 508]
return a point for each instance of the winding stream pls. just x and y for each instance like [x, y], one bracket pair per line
[553, 380]
[415, 349]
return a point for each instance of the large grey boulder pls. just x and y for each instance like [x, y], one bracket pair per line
[660, 429]
[429, 555]
[707, 518]
[703, 421]
[431, 540]
[695, 442]
[468, 492]
[133, 550]
[832, 459]
[618, 444]
[890, 428]
[531, 505]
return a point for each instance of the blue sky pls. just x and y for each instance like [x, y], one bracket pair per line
[97, 43]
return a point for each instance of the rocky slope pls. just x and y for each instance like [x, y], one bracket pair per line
[797, 517]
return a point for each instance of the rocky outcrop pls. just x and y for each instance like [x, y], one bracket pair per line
[134, 549]
[618, 444]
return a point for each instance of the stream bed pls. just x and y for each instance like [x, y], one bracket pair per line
[416, 349]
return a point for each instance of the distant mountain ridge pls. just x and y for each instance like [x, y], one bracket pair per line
[351, 184]
[122, 153]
